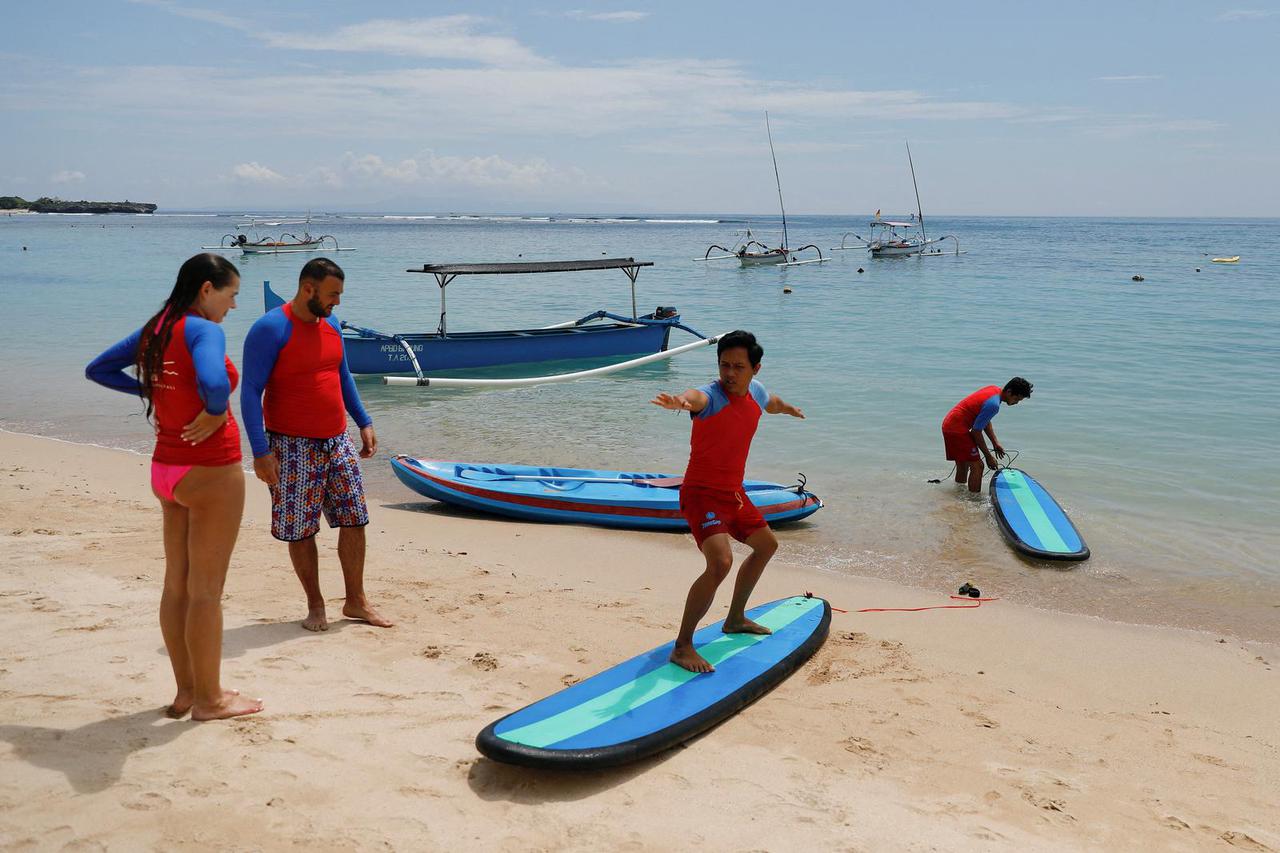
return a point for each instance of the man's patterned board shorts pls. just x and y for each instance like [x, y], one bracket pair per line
[316, 475]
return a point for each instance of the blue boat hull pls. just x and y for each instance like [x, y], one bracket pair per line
[557, 497]
[383, 354]
[489, 349]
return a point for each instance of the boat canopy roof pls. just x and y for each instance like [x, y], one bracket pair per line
[887, 223]
[532, 266]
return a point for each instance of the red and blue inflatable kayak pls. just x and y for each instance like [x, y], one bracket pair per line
[582, 495]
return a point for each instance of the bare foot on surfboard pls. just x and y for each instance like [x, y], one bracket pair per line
[688, 657]
[744, 626]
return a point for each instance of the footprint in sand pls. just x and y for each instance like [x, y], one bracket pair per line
[1243, 841]
[484, 662]
[147, 801]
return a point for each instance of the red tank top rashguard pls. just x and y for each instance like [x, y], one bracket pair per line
[964, 415]
[304, 394]
[176, 401]
[721, 438]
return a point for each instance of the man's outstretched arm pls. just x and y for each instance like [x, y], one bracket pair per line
[692, 401]
[779, 406]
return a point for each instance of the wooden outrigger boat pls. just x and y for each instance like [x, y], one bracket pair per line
[886, 241]
[581, 495]
[373, 352]
[752, 253]
[287, 243]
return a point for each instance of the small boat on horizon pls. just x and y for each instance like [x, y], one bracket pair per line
[251, 242]
[629, 499]
[885, 241]
[751, 252]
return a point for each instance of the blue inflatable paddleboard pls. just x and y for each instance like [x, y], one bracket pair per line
[648, 704]
[1031, 519]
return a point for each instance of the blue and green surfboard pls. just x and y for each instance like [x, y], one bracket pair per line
[1031, 519]
[648, 704]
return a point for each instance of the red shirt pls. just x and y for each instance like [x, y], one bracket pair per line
[175, 398]
[304, 393]
[964, 414]
[721, 437]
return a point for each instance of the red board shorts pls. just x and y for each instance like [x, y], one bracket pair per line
[712, 511]
[960, 446]
[317, 475]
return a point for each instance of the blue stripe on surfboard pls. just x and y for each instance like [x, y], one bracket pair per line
[1018, 494]
[1065, 529]
[605, 696]
[733, 674]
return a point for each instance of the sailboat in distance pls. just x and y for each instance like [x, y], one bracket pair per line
[886, 241]
[753, 253]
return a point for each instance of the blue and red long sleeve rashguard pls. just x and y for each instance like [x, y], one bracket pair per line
[301, 367]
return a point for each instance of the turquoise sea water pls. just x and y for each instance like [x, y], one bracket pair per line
[1154, 417]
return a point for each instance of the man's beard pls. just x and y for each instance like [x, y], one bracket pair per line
[314, 306]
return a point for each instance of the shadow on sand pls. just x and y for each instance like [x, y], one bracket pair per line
[92, 757]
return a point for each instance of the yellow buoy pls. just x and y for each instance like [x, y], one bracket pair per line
[1235, 259]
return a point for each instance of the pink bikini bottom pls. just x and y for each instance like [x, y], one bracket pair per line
[165, 478]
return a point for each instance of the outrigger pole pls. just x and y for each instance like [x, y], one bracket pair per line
[919, 210]
[786, 243]
[450, 382]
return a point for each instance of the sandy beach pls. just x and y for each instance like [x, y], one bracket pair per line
[998, 727]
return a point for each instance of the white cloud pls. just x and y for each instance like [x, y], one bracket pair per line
[427, 170]
[67, 176]
[1246, 14]
[232, 21]
[1124, 77]
[256, 173]
[608, 17]
[450, 37]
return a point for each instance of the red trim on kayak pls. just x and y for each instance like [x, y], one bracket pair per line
[572, 506]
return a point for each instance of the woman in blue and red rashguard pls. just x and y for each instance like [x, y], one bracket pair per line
[725, 415]
[179, 358]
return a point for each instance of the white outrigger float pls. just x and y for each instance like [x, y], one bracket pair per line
[886, 241]
[751, 252]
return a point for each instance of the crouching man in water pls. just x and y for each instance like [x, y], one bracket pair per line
[968, 420]
[295, 355]
[725, 414]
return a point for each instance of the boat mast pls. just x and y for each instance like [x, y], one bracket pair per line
[785, 240]
[919, 211]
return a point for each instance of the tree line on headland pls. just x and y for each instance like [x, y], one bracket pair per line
[57, 205]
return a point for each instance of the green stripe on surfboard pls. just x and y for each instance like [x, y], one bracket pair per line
[652, 685]
[1050, 539]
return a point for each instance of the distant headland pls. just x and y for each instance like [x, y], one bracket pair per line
[57, 205]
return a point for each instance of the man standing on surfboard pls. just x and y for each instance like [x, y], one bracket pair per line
[725, 414]
[964, 425]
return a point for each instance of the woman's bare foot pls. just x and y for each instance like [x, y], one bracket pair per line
[181, 705]
[316, 619]
[232, 705]
[744, 626]
[183, 701]
[365, 613]
[688, 657]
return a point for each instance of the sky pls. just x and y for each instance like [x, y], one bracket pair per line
[1039, 108]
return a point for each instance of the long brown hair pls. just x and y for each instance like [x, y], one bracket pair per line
[158, 331]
